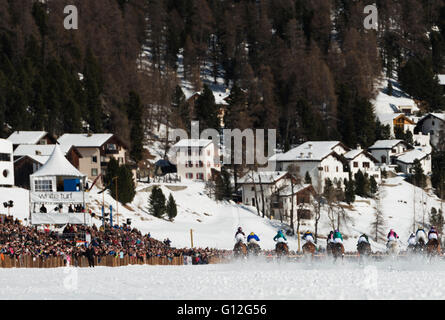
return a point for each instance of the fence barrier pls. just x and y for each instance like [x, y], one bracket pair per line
[27, 261]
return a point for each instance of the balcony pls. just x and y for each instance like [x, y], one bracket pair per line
[111, 151]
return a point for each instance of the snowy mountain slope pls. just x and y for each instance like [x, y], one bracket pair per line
[385, 104]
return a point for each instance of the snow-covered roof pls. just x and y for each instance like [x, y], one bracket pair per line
[388, 118]
[287, 191]
[34, 149]
[441, 79]
[26, 137]
[264, 176]
[57, 165]
[308, 151]
[94, 140]
[39, 159]
[386, 144]
[410, 156]
[437, 115]
[192, 143]
[353, 154]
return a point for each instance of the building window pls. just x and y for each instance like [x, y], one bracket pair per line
[111, 146]
[94, 172]
[5, 157]
[365, 164]
[189, 164]
[200, 176]
[94, 159]
[189, 175]
[43, 185]
[355, 164]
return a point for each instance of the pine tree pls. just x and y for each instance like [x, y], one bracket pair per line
[349, 191]
[419, 178]
[307, 178]
[437, 219]
[361, 184]
[373, 187]
[206, 110]
[156, 200]
[134, 112]
[171, 209]
[126, 187]
[223, 186]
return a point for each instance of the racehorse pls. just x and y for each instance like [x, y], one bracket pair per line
[309, 248]
[393, 248]
[420, 246]
[281, 249]
[240, 249]
[329, 247]
[364, 249]
[338, 250]
[253, 249]
[433, 247]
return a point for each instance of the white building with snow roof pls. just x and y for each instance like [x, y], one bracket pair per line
[6, 164]
[30, 137]
[360, 159]
[387, 151]
[320, 159]
[406, 161]
[96, 150]
[433, 124]
[196, 158]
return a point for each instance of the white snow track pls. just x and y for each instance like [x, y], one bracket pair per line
[249, 280]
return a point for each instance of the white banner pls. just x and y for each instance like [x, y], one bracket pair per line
[59, 197]
[59, 218]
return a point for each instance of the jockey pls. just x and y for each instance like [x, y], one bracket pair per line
[239, 235]
[392, 235]
[308, 237]
[280, 237]
[433, 234]
[330, 238]
[338, 238]
[363, 238]
[252, 238]
[412, 240]
[421, 234]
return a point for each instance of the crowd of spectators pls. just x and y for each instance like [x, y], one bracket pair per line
[79, 240]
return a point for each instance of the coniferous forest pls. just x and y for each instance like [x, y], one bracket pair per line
[305, 67]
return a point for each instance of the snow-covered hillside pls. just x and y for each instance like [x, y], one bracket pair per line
[214, 223]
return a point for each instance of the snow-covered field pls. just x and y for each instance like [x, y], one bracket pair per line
[239, 281]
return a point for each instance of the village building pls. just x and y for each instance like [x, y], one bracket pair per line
[360, 159]
[6, 164]
[398, 121]
[433, 124]
[387, 151]
[196, 158]
[302, 196]
[406, 161]
[320, 159]
[96, 150]
[31, 137]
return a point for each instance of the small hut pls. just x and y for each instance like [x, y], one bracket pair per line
[57, 194]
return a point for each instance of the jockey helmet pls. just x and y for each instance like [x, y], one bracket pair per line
[252, 233]
[240, 229]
